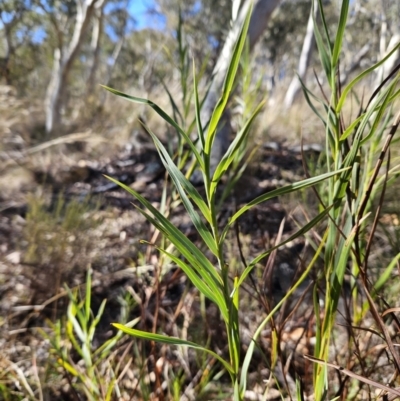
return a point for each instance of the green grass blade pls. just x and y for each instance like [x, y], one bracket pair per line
[71, 313]
[96, 320]
[323, 52]
[340, 33]
[351, 127]
[72, 338]
[228, 85]
[206, 287]
[341, 260]
[88, 295]
[197, 109]
[182, 184]
[364, 74]
[324, 25]
[307, 227]
[209, 275]
[278, 192]
[181, 242]
[385, 275]
[381, 110]
[365, 124]
[180, 181]
[175, 107]
[232, 150]
[164, 115]
[308, 95]
[106, 347]
[203, 272]
[172, 341]
[234, 322]
[69, 368]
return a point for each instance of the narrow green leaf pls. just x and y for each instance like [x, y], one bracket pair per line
[204, 285]
[175, 108]
[164, 115]
[71, 336]
[385, 275]
[307, 227]
[68, 367]
[197, 109]
[340, 33]
[365, 73]
[71, 318]
[106, 347]
[381, 110]
[324, 25]
[308, 95]
[172, 341]
[204, 270]
[234, 325]
[230, 153]
[365, 124]
[322, 51]
[341, 260]
[87, 355]
[182, 243]
[228, 84]
[278, 192]
[182, 184]
[96, 320]
[351, 127]
[110, 389]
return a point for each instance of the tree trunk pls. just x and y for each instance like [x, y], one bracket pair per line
[262, 12]
[62, 64]
[5, 67]
[95, 46]
[384, 70]
[52, 102]
[305, 56]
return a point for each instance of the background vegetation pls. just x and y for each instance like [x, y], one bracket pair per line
[71, 261]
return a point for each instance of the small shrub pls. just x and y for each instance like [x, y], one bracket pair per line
[57, 242]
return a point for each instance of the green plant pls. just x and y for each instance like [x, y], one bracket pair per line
[247, 97]
[213, 277]
[353, 147]
[94, 372]
[57, 242]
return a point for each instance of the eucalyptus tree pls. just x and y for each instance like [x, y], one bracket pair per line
[70, 22]
[111, 25]
[305, 57]
[205, 24]
[17, 24]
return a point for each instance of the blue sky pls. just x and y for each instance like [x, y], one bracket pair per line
[139, 10]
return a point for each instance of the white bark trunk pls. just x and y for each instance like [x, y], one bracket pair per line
[390, 63]
[305, 56]
[262, 12]
[383, 71]
[95, 48]
[235, 9]
[63, 61]
[53, 113]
